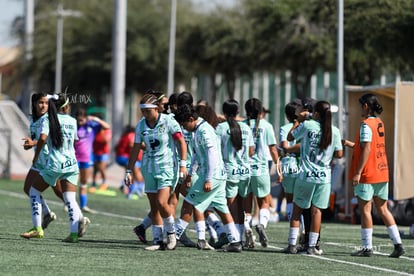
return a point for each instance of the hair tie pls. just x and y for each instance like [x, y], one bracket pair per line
[54, 96]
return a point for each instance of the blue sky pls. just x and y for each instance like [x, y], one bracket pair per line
[9, 9]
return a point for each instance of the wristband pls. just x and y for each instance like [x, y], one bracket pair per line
[128, 171]
[183, 163]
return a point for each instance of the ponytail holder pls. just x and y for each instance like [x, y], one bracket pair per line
[54, 96]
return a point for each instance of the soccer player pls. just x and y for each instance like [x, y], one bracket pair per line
[88, 127]
[319, 143]
[209, 188]
[59, 133]
[40, 104]
[236, 151]
[260, 185]
[159, 133]
[369, 174]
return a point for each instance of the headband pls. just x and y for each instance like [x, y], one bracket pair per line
[148, 106]
[160, 97]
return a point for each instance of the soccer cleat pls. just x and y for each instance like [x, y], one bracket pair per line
[203, 245]
[83, 226]
[86, 209]
[186, 241]
[302, 248]
[72, 238]
[312, 250]
[364, 252]
[48, 218]
[156, 246]
[171, 241]
[262, 235]
[233, 247]
[33, 233]
[398, 251]
[291, 249]
[103, 187]
[140, 232]
[212, 241]
[249, 239]
[222, 240]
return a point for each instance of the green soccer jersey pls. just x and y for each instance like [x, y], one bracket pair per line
[237, 163]
[263, 137]
[35, 130]
[315, 164]
[205, 140]
[159, 154]
[62, 160]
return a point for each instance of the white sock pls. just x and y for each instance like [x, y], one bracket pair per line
[180, 227]
[264, 215]
[289, 209]
[45, 207]
[146, 222]
[366, 237]
[394, 234]
[74, 211]
[293, 235]
[215, 222]
[247, 222]
[201, 229]
[233, 234]
[36, 207]
[313, 238]
[169, 224]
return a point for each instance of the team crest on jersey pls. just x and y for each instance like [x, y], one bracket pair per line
[161, 128]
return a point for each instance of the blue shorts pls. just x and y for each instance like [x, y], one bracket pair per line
[85, 165]
[123, 162]
[101, 158]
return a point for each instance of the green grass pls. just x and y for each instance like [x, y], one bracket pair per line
[111, 248]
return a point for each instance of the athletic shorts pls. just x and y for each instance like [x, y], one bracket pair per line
[101, 158]
[155, 182]
[368, 191]
[306, 194]
[51, 177]
[288, 184]
[123, 162]
[260, 185]
[203, 200]
[240, 188]
[85, 165]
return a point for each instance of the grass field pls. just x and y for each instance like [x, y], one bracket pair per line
[111, 248]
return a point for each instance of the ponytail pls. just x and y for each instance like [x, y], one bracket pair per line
[325, 119]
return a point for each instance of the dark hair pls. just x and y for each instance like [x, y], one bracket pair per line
[184, 113]
[308, 104]
[208, 114]
[81, 112]
[253, 109]
[185, 98]
[35, 98]
[173, 99]
[230, 109]
[323, 108]
[149, 99]
[291, 110]
[55, 132]
[372, 101]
